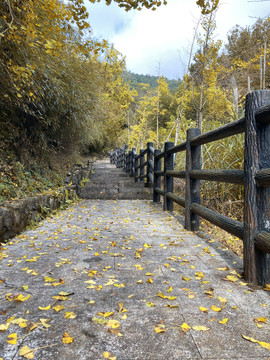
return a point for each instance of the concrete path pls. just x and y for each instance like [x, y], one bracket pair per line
[108, 182]
[123, 280]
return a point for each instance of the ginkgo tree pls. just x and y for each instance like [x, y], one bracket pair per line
[206, 5]
[155, 112]
[61, 89]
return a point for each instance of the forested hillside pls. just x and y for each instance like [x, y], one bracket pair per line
[135, 79]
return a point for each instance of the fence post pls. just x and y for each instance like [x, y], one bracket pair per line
[193, 162]
[121, 157]
[125, 161]
[128, 163]
[149, 156]
[157, 178]
[131, 162]
[141, 163]
[133, 152]
[256, 198]
[124, 156]
[117, 157]
[136, 169]
[168, 180]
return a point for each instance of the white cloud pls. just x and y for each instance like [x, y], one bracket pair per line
[150, 39]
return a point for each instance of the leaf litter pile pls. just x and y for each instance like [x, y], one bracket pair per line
[123, 280]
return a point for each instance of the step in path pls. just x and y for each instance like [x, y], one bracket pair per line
[121, 279]
[108, 182]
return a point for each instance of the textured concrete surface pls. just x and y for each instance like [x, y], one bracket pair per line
[132, 260]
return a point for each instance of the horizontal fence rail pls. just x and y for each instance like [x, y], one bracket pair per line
[147, 167]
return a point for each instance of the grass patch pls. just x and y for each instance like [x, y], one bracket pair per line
[18, 180]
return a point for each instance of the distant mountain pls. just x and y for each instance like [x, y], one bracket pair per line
[136, 79]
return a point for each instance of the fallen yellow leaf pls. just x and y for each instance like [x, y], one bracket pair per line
[199, 275]
[200, 328]
[262, 343]
[12, 339]
[138, 267]
[186, 278]
[70, 315]
[223, 321]
[150, 304]
[44, 322]
[21, 298]
[160, 328]
[209, 293]
[161, 295]
[108, 356]
[65, 293]
[66, 339]
[215, 308]
[113, 324]
[26, 352]
[222, 300]
[230, 278]
[242, 283]
[58, 308]
[191, 295]
[44, 308]
[4, 327]
[261, 319]
[223, 269]
[147, 245]
[203, 309]
[185, 327]
[105, 314]
[49, 279]
[249, 338]
[119, 285]
[99, 321]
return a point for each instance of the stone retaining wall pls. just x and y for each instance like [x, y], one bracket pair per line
[16, 215]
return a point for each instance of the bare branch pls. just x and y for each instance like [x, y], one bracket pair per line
[12, 19]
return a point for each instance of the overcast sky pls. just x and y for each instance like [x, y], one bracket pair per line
[160, 40]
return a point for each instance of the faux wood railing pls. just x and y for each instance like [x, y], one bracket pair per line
[255, 177]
